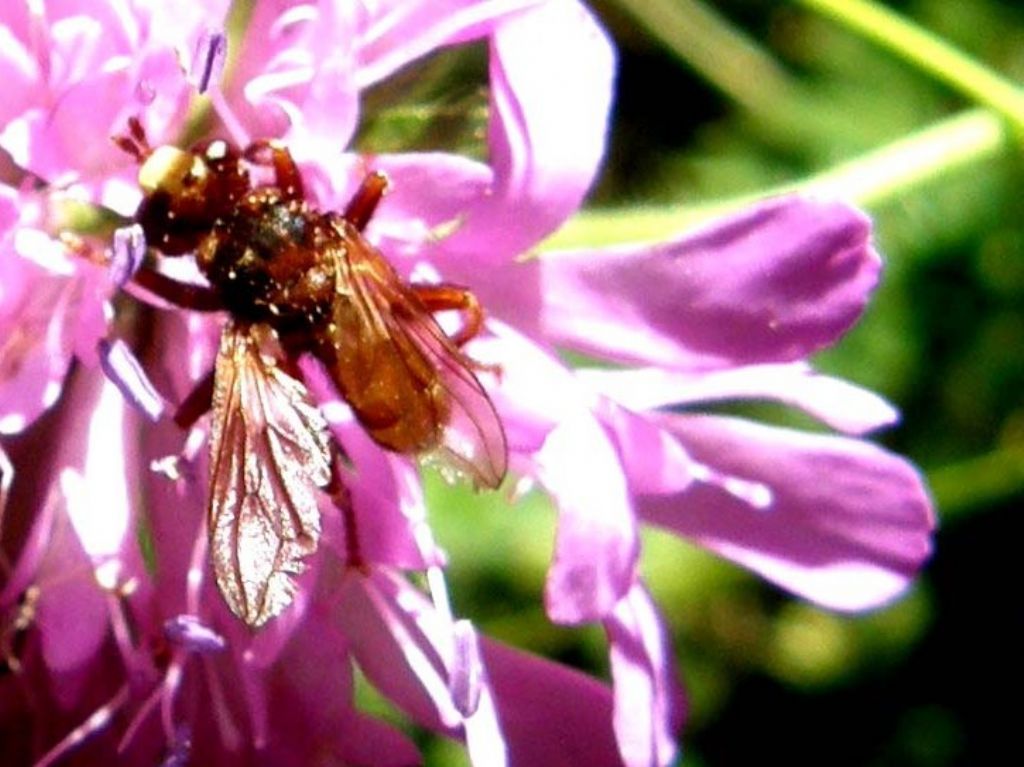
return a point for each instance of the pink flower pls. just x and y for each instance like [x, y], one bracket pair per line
[119, 645]
[50, 309]
[73, 73]
[76, 71]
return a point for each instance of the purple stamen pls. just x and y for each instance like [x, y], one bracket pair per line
[208, 63]
[126, 254]
[124, 371]
[96, 722]
[466, 677]
[180, 750]
[188, 632]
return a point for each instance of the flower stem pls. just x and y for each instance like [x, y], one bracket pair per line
[887, 172]
[974, 482]
[871, 180]
[722, 54]
[929, 53]
[874, 178]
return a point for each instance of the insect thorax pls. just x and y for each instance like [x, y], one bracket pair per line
[272, 261]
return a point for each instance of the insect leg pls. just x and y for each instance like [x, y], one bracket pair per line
[198, 402]
[185, 295]
[286, 172]
[442, 297]
[15, 629]
[181, 294]
[364, 202]
[342, 500]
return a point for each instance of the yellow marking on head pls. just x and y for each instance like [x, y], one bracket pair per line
[167, 169]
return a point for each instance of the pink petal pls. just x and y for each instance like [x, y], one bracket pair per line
[413, 654]
[72, 614]
[387, 498]
[365, 740]
[95, 541]
[34, 549]
[772, 283]
[20, 74]
[552, 69]
[550, 714]
[176, 508]
[295, 75]
[97, 488]
[91, 107]
[303, 66]
[649, 705]
[9, 214]
[534, 390]
[426, 193]
[596, 544]
[92, 68]
[36, 309]
[398, 641]
[840, 404]
[399, 31]
[309, 697]
[653, 460]
[410, 651]
[81, 45]
[838, 521]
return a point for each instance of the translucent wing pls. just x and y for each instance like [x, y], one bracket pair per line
[270, 449]
[411, 388]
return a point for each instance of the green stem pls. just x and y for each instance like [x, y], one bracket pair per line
[883, 174]
[984, 479]
[929, 53]
[871, 180]
[724, 56]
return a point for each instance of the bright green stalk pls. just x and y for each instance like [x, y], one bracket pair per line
[929, 53]
[719, 52]
[870, 180]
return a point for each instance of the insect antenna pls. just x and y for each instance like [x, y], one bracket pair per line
[134, 141]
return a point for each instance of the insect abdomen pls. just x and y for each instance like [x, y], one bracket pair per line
[396, 397]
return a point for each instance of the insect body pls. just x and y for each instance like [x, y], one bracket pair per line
[295, 280]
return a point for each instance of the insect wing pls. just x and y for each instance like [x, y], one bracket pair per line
[270, 450]
[472, 440]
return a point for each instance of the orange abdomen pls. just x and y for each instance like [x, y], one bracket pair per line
[397, 397]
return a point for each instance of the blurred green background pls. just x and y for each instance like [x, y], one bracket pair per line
[717, 102]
